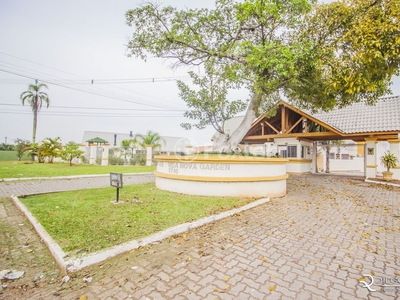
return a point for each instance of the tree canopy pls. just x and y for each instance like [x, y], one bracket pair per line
[71, 151]
[209, 104]
[319, 55]
[149, 138]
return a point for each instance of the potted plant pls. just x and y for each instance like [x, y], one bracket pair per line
[389, 160]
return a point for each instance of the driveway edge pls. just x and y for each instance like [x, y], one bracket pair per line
[76, 264]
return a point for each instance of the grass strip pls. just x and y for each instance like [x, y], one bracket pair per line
[87, 221]
[9, 169]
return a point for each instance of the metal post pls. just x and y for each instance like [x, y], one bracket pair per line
[117, 194]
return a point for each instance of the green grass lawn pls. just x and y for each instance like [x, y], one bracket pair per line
[12, 156]
[21, 169]
[87, 220]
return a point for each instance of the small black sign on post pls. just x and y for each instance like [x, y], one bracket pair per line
[116, 181]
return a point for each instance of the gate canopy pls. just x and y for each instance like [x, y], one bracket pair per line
[97, 140]
[355, 122]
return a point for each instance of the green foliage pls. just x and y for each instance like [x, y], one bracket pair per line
[138, 159]
[34, 150]
[7, 147]
[253, 42]
[71, 151]
[150, 138]
[11, 169]
[209, 105]
[50, 148]
[389, 160]
[20, 147]
[35, 97]
[319, 55]
[126, 149]
[354, 48]
[145, 210]
[112, 160]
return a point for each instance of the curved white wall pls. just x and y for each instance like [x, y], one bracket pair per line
[222, 176]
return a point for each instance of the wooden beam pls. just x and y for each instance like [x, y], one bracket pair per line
[255, 128]
[306, 126]
[272, 127]
[309, 135]
[283, 119]
[304, 140]
[295, 124]
[262, 129]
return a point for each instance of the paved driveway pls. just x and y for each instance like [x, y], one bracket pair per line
[314, 243]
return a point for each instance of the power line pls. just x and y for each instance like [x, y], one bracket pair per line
[92, 80]
[64, 114]
[103, 108]
[88, 92]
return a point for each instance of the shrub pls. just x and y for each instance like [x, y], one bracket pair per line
[138, 159]
[112, 160]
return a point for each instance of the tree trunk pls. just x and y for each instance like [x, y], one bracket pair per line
[35, 113]
[227, 143]
[327, 161]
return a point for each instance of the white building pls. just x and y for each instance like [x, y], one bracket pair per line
[296, 134]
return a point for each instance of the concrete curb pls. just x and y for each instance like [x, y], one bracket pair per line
[71, 177]
[54, 248]
[380, 182]
[76, 264]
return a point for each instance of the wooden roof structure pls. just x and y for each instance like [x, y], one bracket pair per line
[288, 121]
[97, 140]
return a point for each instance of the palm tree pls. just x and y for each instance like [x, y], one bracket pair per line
[51, 148]
[126, 148]
[150, 138]
[35, 98]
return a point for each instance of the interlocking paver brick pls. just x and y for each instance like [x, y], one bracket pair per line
[317, 241]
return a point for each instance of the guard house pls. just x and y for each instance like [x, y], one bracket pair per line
[294, 133]
[97, 148]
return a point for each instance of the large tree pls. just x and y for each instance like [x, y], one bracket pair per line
[208, 103]
[320, 56]
[35, 97]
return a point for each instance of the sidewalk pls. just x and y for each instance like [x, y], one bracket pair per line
[31, 186]
[314, 243]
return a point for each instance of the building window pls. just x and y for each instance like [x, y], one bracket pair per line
[345, 156]
[331, 155]
[287, 151]
[303, 152]
[292, 151]
[282, 150]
